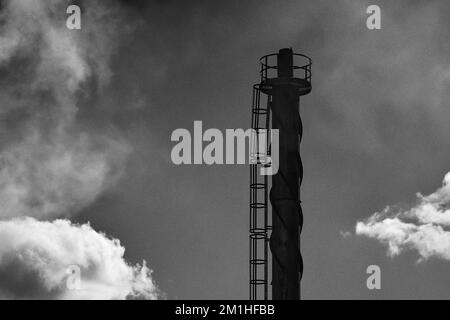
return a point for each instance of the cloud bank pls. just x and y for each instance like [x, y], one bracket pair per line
[50, 165]
[35, 257]
[424, 228]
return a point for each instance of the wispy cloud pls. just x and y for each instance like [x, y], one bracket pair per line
[54, 169]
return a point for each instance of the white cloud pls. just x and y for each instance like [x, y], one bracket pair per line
[49, 166]
[35, 256]
[423, 228]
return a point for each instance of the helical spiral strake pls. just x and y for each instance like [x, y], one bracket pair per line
[284, 227]
[299, 203]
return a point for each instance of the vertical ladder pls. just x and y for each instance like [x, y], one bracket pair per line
[259, 197]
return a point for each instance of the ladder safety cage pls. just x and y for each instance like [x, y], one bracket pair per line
[259, 197]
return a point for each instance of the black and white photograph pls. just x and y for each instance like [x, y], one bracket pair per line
[220, 156]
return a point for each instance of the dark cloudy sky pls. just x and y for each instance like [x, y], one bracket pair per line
[375, 133]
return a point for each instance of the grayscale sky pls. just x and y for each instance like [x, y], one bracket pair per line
[375, 133]
[375, 130]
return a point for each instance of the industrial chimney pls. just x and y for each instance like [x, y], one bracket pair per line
[285, 76]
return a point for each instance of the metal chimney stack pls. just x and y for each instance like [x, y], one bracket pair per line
[285, 77]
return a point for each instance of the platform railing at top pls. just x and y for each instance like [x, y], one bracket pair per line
[301, 65]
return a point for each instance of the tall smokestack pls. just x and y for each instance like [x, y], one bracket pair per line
[283, 90]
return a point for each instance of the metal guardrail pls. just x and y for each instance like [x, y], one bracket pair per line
[302, 67]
